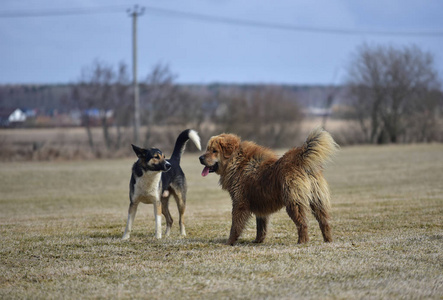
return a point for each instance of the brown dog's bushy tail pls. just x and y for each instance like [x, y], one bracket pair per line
[317, 150]
[309, 187]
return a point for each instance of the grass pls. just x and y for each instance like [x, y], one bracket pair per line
[61, 225]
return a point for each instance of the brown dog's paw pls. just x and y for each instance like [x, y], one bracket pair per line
[229, 243]
[303, 240]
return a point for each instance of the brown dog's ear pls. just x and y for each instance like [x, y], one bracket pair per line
[228, 144]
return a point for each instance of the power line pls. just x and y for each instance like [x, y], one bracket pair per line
[62, 12]
[215, 19]
[251, 23]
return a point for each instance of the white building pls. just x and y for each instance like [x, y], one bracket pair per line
[17, 116]
[11, 116]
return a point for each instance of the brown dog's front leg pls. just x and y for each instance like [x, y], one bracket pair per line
[239, 219]
[262, 225]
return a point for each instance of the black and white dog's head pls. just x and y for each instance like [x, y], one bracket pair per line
[151, 159]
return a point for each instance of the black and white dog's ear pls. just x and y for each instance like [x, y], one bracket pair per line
[138, 151]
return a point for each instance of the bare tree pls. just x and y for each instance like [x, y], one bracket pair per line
[105, 90]
[95, 93]
[329, 102]
[84, 102]
[158, 98]
[386, 86]
[267, 115]
[122, 103]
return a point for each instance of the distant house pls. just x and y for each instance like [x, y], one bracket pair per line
[318, 111]
[10, 117]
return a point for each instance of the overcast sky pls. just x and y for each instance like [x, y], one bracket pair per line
[207, 41]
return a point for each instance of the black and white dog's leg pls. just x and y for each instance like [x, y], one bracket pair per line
[166, 213]
[180, 198]
[131, 216]
[158, 218]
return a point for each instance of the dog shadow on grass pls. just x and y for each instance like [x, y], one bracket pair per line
[143, 237]
[104, 235]
[222, 241]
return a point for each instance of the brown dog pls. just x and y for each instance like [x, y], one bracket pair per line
[260, 183]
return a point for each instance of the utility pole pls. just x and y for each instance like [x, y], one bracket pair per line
[134, 13]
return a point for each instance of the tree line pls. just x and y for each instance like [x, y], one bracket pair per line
[266, 114]
[393, 93]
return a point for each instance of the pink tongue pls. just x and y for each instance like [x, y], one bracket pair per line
[205, 172]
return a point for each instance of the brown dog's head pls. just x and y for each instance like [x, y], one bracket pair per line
[218, 151]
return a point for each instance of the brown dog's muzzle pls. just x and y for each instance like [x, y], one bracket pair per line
[207, 169]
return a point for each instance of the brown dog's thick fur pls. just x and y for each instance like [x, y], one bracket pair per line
[260, 183]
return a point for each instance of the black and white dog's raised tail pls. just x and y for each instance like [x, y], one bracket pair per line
[154, 179]
[181, 142]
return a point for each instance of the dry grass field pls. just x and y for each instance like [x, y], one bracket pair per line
[71, 143]
[62, 222]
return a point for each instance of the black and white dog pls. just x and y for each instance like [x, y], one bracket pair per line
[154, 179]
